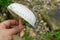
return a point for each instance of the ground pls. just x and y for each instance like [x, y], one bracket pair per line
[45, 12]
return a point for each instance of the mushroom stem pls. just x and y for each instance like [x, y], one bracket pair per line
[20, 22]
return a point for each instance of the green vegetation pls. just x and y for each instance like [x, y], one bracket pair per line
[4, 3]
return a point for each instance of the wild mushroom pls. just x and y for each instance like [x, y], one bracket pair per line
[20, 12]
[23, 12]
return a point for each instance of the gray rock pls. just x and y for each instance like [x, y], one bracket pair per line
[54, 17]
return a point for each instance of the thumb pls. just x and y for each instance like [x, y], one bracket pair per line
[15, 30]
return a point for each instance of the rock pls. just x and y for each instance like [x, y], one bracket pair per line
[54, 17]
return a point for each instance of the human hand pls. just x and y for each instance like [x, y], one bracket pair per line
[8, 28]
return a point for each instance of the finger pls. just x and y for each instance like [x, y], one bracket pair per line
[9, 23]
[15, 30]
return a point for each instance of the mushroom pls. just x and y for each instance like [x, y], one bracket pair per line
[21, 11]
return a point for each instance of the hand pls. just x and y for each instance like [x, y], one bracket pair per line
[8, 29]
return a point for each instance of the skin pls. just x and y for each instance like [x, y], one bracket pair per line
[9, 28]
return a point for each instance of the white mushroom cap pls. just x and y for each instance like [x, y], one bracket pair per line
[23, 12]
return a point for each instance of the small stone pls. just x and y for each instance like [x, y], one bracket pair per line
[45, 23]
[32, 33]
[4, 14]
[39, 27]
[41, 21]
[41, 32]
